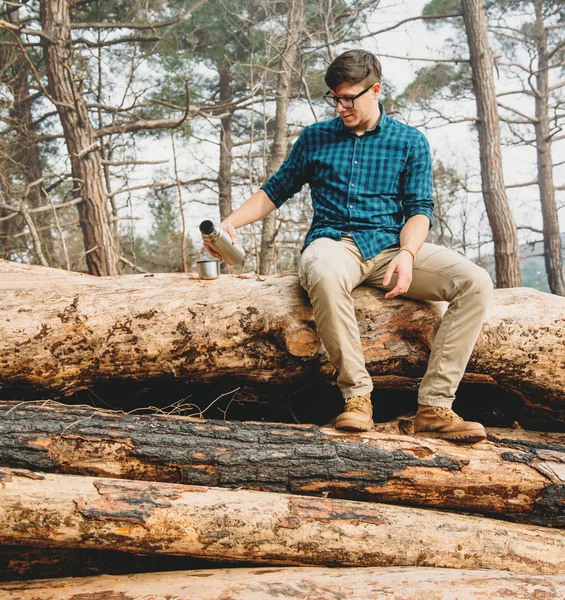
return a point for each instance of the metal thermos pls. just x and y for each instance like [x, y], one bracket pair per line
[219, 240]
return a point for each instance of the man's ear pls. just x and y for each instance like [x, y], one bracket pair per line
[377, 90]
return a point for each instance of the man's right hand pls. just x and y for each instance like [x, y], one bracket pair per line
[227, 226]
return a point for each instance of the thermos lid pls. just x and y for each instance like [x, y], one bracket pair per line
[206, 227]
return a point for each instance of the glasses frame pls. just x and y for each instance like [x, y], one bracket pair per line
[333, 101]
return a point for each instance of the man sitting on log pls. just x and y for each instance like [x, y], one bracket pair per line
[370, 180]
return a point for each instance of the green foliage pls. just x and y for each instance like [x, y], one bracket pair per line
[438, 81]
[440, 7]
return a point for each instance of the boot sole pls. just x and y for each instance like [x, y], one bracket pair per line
[354, 426]
[469, 437]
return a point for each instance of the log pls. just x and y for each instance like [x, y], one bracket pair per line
[260, 527]
[297, 582]
[517, 475]
[65, 332]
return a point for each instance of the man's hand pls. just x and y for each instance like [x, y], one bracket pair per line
[231, 230]
[401, 264]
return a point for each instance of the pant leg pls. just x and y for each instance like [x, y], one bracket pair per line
[329, 271]
[441, 274]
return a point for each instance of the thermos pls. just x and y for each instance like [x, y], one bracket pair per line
[219, 240]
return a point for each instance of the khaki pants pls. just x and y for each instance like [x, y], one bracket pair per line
[330, 270]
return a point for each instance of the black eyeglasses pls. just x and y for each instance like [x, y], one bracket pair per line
[344, 101]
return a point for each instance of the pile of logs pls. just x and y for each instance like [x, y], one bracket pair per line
[273, 505]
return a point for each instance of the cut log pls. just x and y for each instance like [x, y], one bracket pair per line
[66, 332]
[260, 527]
[297, 582]
[517, 479]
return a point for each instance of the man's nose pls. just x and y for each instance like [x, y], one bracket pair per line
[340, 108]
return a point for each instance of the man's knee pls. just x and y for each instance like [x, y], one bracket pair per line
[476, 284]
[323, 273]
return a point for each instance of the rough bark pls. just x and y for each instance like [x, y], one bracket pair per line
[551, 235]
[101, 253]
[505, 236]
[298, 582]
[261, 527]
[25, 149]
[287, 60]
[226, 143]
[226, 146]
[63, 332]
[516, 477]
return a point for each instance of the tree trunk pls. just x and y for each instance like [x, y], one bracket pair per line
[505, 236]
[286, 63]
[239, 525]
[297, 582]
[64, 332]
[84, 154]
[226, 146]
[26, 150]
[525, 481]
[551, 235]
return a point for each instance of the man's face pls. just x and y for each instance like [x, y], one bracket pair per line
[365, 108]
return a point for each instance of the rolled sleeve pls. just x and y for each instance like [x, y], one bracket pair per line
[291, 176]
[417, 182]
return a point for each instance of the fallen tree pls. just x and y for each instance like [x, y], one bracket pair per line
[261, 527]
[513, 478]
[63, 332]
[293, 582]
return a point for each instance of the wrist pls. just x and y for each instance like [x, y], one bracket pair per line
[410, 251]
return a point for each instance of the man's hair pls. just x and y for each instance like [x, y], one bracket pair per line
[354, 66]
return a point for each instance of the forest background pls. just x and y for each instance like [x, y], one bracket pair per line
[124, 124]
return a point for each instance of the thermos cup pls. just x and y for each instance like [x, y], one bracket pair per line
[219, 240]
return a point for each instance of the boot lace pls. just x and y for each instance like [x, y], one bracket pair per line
[357, 403]
[447, 414]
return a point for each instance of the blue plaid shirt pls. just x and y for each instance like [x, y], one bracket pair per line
[367, 186]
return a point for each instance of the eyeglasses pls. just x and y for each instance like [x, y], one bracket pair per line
[344, 101]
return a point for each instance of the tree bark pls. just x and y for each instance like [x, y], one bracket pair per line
[26, 150]
[102, 256]
[505, 236]
[286, 63]
[62, 332]
[551, 235]
[298, 582]
[521, 479]
[239, 525]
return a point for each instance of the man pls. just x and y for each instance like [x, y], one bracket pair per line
[370, 180]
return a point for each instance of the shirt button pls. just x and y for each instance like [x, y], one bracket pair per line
[352, 185]
[351, 206]
[355, 161]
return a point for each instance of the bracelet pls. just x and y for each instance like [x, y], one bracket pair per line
[408, 250]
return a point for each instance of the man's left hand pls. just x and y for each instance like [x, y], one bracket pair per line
[401, 264]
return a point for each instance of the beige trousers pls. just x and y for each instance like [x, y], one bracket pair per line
[330, 270]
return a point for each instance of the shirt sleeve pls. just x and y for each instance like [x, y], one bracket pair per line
[291, 176]
[417, 181]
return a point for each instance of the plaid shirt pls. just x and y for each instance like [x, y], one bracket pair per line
[366, 186]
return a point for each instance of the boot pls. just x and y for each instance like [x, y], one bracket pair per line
[443, 423]
[358, 415]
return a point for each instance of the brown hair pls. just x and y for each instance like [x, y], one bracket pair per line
[353, 66]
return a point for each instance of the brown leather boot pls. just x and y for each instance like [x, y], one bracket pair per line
[441, 422]
[358, 415]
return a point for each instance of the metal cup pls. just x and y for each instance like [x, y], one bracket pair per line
[208, 269]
